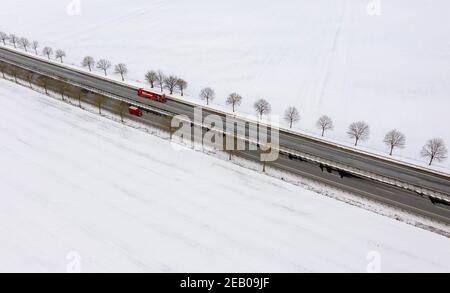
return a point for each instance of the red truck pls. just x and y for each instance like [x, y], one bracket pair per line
[135, 111]
[152, 96]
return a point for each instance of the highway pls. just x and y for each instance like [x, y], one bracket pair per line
[401, 198]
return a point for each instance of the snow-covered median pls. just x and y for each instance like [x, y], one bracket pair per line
[77, 187]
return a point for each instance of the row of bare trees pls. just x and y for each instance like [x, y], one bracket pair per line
[434, 149]
[105, 65]
[171, 83]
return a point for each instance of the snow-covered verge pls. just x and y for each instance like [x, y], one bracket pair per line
[75, 184]
[324, 57]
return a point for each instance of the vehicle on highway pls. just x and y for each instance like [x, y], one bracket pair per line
[152, 96]
[135, 111]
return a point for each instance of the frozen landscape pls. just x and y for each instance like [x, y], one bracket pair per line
[75, 184]
[322, 56]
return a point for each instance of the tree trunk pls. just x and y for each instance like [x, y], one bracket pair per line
[89, 65]
[122, 77]
[323, 131]
[290, 126]
[431, 161]
[392, 149]
[356, 142]
[105, 72]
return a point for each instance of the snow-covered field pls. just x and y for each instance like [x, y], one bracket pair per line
[76, 188]
[325, 57]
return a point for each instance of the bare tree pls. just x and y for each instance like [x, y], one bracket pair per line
[160, 77]
[182, 85]
[262, 107]
[24, 43]
[359, 131]
[29, 77]
[98, 101]
[434, 150]
[78, 94]
[170, 83]
[59, 54]
[151, 77]
[13, 71]
[325, 123]
[35, 46]
[291, 115]
[104, 65]
[207, 94]
[13, 39]
[4, 37]
[393, 139]
[47, 51]
[44, 81]
[3, 67]
[63, 88]
[234, 100]
[121, 69]
[88, 62]
[121, 108]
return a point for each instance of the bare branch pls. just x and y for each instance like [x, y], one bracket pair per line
[44, 81]
[88, 62]
[24, 43]
[160, 77]
[35, 46]
[60, 54]
[234, 100]
[13, 39]
[291, 115]
[47, 51]
[151, 77]
[4, 37]
[393, 139]
[170, 83]
[182, 85]
[262, 107]
[359, 131]
[325, 123]
[434, 150]
[121, 69]
[207, 94]
[104, 65]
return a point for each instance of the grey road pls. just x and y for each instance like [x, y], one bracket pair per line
[390, 195]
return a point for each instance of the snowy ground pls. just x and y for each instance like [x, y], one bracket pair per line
[325, 57]
[75, 184]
